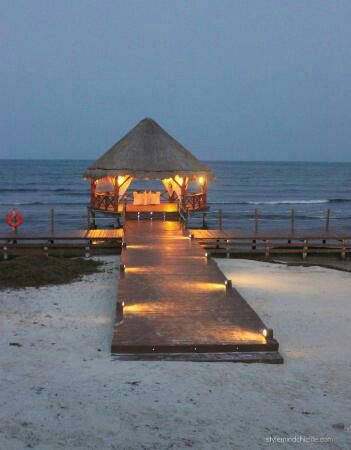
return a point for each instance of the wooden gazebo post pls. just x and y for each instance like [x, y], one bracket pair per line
[115, 199]
[204, 192]
[92, 202]
[183, 190]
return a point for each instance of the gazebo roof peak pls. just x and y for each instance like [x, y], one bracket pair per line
[148, 152]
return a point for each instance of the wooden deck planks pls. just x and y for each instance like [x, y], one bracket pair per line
[175, 298]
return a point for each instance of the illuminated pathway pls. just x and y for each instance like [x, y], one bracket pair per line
[176, 302]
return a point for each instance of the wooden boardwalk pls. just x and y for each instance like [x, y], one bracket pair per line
[176, 302]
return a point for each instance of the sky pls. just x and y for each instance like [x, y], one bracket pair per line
[246, 80]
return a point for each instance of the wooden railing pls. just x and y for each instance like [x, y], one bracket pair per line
[273, 245]
[194, 201]
[105, 201]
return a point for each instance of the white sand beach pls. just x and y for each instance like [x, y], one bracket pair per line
[61, 390]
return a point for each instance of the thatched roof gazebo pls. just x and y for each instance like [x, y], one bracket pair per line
[147, 152]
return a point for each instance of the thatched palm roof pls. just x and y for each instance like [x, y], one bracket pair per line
[148, 152]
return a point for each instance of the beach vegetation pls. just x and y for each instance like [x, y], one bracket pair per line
[37, 271]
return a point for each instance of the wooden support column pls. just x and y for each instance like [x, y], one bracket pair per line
[327, 220]
[204, 192]
[91, 213]
[116, 194]
[182, 192]
[92, 193]
[89, 217]
[115, 199]
[305, 249]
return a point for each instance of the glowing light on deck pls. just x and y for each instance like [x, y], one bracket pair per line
[138, 246]
[138, 269]
[201, 180]
[203, 286]
[141, 309]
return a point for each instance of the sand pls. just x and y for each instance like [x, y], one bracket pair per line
[61, 390]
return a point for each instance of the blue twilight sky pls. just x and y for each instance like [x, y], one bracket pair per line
[236, 79]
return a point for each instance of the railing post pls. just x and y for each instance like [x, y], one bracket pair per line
[52, 220]
[305, 249]
[292, 220]
[124, 210]
[220, 219]
[343, 249]
[89, 216]
[327, 220]
[256, 220]
[204, 222]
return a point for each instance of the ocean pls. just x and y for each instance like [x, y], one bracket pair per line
[274, 188]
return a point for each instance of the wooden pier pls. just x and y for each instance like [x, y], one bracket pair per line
[173, 303]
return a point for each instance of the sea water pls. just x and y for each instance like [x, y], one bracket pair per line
[274, 188]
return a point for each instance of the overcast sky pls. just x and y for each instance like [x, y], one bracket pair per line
[241, 80]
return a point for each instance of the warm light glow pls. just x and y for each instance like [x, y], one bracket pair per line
[229, 334]
[137, 269]
[201, 180]
[120, 180]
[203, 286]
[179, 180]
[138, 246]
[140, 309]
[138, 209]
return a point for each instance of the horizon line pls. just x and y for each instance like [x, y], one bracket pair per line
[204, 160]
